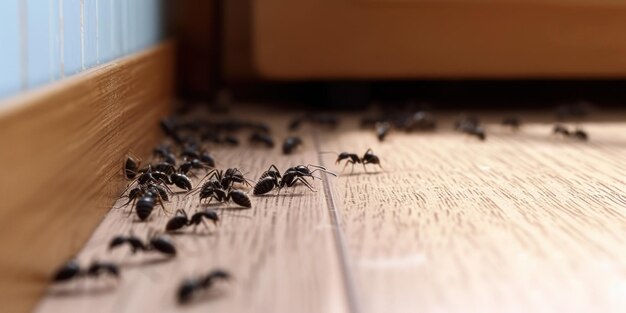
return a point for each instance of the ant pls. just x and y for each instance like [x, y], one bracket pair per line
[512, 122]
[560, 129]
[351, 158]
[72, 270]
[153, 190]
[422, 121]
[272, 178]
[181, 181]
[228, 178]
[290, 144]
[161, 244]
[181, 219]
[262, 138]
[131, 166]
[212, 191]
[191, 286]
[578, 133]
[164, 152]
[382, 130]
[471, 126]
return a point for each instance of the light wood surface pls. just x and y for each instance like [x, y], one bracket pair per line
[62, 149]
[524, 222]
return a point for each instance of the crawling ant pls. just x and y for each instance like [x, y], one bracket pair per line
[382, 130]
[318, 119]
[207, 159]
[170, 127]
[131, 166]
[560, 130]
[228, 178]
[290, 144]
[351, 158]
[512, 122]
[181, 181]
[421, 121]
[152, 190]
[181, 219]
[72, 270]
[272, 178]
[262, 138]
[189, 287]
[578, 133]
[157, 243]
[221, 195]
[471, 126]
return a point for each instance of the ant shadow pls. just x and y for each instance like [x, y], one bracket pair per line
[192, 233]
[146, 262]
[75, 292]
[282, 195]
[206, 296]
[354, 174]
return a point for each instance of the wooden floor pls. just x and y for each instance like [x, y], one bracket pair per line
[523, 222]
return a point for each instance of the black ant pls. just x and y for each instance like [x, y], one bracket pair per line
[262, 138]
[181, 181]
[351, 158]
[72, 270]
[212, 191]
[157, 243]
[170, 128]
[471, 126]
[228, 178]
[181, 219]
[290, 144]
[578, 133]
[191, 286]
[131, 166]
[421, 121]
[152, 190]
[560, 130]
[382, 130]
[272, 178]
[512, 122]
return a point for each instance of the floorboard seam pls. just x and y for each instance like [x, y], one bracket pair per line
[340, 240]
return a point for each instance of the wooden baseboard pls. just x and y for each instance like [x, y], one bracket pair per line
[61, 150]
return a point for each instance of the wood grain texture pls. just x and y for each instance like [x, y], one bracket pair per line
[524, 222]
[61, 152]
[438, 39]
[281, 252]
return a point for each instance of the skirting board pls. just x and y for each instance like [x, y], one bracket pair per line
[61, 151]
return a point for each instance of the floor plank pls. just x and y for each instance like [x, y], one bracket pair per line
[281, 253]
[524, 221]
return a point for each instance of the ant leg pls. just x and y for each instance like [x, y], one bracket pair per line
[306, 183]
[365, 168]
[346, 165]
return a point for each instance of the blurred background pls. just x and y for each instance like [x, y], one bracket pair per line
[337, 54]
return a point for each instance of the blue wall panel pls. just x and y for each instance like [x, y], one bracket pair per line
[42, 33]
[45, 40]
[90, 32]
[72, 45]
[10, 60]
[105, 31]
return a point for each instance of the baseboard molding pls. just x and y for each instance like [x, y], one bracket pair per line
[61, 150]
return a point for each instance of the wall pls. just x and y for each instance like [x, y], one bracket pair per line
[42, 41]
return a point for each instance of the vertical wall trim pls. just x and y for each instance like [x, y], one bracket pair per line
[61, 38]
[82, 34]
[24, 44]
[97, 31]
